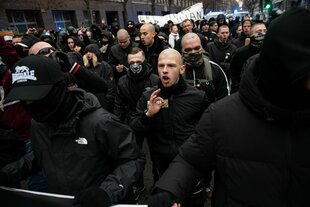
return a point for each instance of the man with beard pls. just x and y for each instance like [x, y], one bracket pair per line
[221, 50]
[168, 113]
[130, 87]
[256, 140]
[200, 71]
[83, 150]
[257, 35]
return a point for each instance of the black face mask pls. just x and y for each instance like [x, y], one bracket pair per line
[55, 107]
[257, 40]
[137, 70]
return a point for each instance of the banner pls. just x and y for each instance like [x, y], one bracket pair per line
[13, 197]
[194, 12]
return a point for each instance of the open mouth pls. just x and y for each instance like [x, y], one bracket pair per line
[165, 79]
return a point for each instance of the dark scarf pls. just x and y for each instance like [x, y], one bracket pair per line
[57, 106]
[137, 84]
[176, 89]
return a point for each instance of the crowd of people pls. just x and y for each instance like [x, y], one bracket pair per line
[222, 104]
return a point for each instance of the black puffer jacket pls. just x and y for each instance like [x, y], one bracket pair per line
[258, 147]
[91, 149]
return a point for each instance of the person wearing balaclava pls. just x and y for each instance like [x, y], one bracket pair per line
[130, 87]
[133, 31]
[257, 140]
[167, 114]
[200, 71]
[257, 35]
[93, 62]
[84, 150]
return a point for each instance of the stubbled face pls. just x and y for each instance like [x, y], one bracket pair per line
[187, 26]
[223, 34]
[169, 68]
[147, 35]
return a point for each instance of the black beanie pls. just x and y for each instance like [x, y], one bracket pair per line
[284, 61]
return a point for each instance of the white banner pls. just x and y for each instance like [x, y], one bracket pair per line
[194, 12]
[20, 197]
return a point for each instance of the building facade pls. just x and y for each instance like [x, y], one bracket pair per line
[19, 15]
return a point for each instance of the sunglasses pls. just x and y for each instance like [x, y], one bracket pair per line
[46, 51]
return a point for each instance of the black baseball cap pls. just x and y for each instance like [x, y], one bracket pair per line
[33, 77]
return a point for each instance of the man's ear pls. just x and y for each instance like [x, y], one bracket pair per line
[182, 69]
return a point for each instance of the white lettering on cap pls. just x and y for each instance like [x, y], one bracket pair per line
[22, 74]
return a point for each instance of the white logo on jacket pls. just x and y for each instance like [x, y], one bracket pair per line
[81, 140]
[22, 74]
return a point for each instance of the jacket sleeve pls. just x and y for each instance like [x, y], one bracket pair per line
[16, 171]
[139, 122]
[90, 81]
[196, 159]
[120, 104]
[220, 81]
[120, 145]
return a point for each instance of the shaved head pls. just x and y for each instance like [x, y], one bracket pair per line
[122, 33]
[171, 53]
[37, 47]
[188, 37]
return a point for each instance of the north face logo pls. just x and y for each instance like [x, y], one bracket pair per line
[22, 74]
[81, 140]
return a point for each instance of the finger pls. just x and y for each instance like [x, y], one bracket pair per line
[154, 94]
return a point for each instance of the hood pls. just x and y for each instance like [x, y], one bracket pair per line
[284, 61]
[94, 49]
[87, 103]
[253, 98]
[109, 35]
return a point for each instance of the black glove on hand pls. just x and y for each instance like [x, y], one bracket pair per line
[3, 179]
[162, 199]
[93, 197]
[65, 61]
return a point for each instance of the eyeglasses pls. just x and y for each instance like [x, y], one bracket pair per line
[46, 51]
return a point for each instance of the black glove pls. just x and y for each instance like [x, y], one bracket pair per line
[162, 199]
[93, 197]
[65, 61]
[3, 179]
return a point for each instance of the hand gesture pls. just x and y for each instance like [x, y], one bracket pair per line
[155, 104]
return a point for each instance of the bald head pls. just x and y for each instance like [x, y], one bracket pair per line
[149, 27]
[190, 37]
[171, 53]
[121, 34]
[37, 47]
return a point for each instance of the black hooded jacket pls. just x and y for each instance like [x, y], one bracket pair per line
[90, 149]
[258, 147]
[104, 70]
[130, 89]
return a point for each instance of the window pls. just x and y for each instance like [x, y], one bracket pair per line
[63, 19]
[22, 20]
[95, 18]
